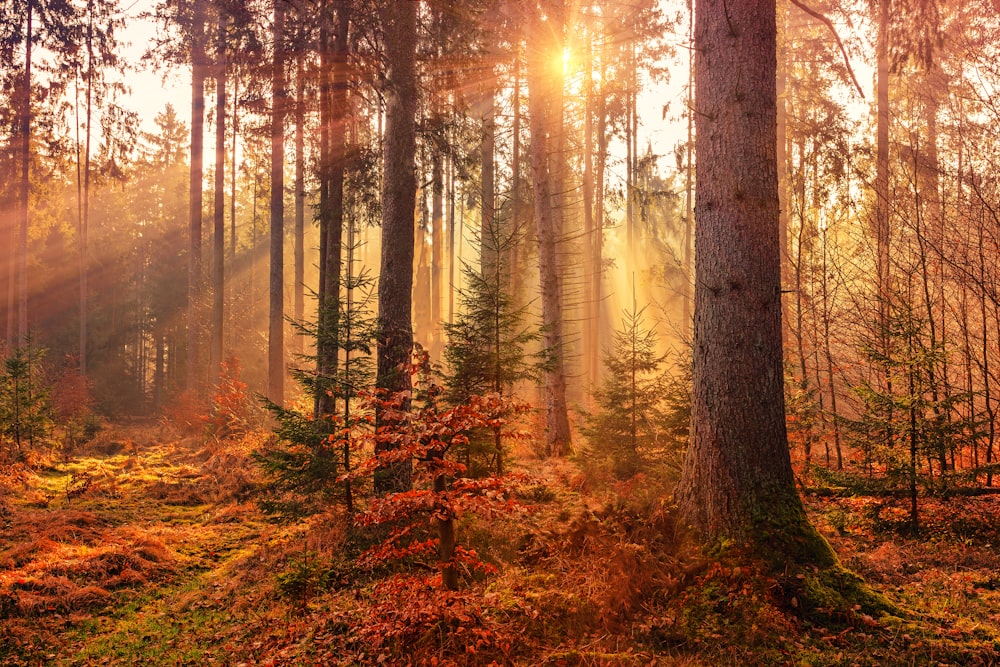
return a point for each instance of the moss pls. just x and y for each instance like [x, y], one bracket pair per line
[791, 548]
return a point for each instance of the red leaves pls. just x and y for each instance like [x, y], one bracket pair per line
[425, 434]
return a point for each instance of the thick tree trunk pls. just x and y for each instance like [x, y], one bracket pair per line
[195, 184]
[276, 315]
[219, 212]
[737, 480]
[540, 48]
[399, 191]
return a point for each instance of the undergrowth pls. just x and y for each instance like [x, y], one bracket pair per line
[140, 552]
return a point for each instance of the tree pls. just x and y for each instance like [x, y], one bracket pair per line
[399, 194]
[276, 313]
[486, 342]
[198, 75]
[545, 108]
[219, 221]
[737, 483]
[635, 424]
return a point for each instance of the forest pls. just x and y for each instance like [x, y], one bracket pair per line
[499, 332]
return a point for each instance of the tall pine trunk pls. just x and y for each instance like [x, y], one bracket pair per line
[219, 212]
[737, 481]
[299, 306]
[23, 188]
[333, 102]
[85, 209]
[399, 191]
[545, 39]
[276, 313]
[195, 192]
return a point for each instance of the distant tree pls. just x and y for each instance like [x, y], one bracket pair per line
[217, 328]
[276, 292]
[199, 70]
[25, 408]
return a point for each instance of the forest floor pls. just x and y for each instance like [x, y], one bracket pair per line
[145, 548]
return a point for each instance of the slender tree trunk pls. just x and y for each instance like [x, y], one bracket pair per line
[85, 216]
[737, 480]
[599, 187]
[828, 352]
[882, 267]
[489, 236]
[687, 253]
[232, 206]
[515, 187]
[194, 211]
[334, 104]
[589, 264]
[219, 211]
[437, 252]
[541, 47]
[399, 191]
[300, 200]
[276, 315]
[24, 187]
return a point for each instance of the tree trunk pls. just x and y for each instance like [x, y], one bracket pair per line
[276, 315]
[219, 211]
[299, 308]
[542, 46]
[85, 212]
[737, 481]
[489, 236]
[194, 210]
[399, 192]
[334, 110]
[23, 188]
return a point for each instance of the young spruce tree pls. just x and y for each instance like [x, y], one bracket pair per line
[486, 350]
[314, 451]
[643, 409]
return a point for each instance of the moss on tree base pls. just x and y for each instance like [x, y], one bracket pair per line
[815, 580]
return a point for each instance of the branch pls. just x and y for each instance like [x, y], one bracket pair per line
[829, 24]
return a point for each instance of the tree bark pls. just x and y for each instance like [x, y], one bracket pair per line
[737, 481]
[299, 306]
[24, 188]
[219, 212]
[195, 200]
[399, 191]
[541, 47]
[85, 212]
[334, 112]
[276, 315]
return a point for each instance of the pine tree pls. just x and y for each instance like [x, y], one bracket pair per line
[644, 411]
[313, 452]
[486, 342]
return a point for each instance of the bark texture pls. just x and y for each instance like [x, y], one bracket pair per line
[276, 314]
[198, 75]
[399, 194]
[544, 41]
[219, 221]
[737, 480]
